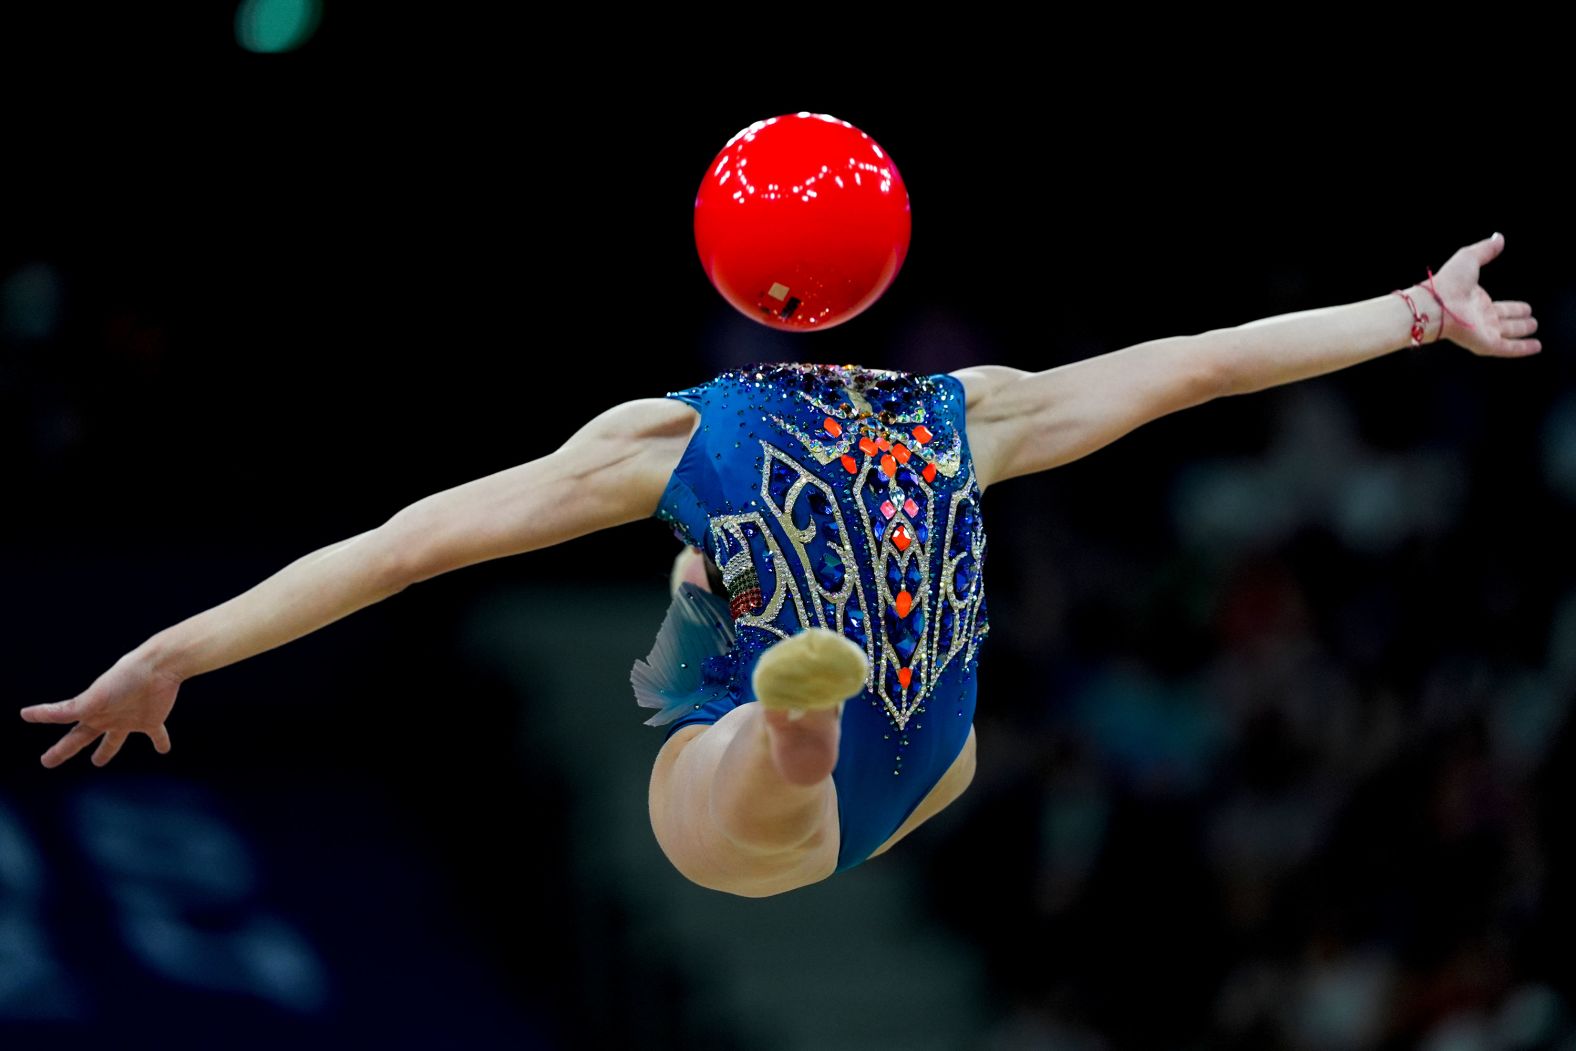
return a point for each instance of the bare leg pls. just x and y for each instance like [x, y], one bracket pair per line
[689, 565]
[747, 805]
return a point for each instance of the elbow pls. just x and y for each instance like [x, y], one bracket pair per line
[1214, 372]
[397, 573]
[397, 558]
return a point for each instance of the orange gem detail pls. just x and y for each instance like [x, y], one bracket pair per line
[901, 540]
[904, 602]
[922, 434]
[889, 465]
[850, 463]
[901, 452]
[883, 444]
[904, 675]
[868, 446]
[929, 472]
[832, 427]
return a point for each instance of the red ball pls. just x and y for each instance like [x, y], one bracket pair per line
[802, 221]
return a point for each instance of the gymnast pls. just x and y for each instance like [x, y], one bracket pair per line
[815, 671]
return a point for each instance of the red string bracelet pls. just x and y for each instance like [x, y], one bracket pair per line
[1419, 321]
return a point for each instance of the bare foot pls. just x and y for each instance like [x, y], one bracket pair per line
[801, 684]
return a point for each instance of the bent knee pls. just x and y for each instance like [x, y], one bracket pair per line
[707, 858]
[773, 839]
[727, 860]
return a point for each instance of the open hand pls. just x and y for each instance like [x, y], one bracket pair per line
[1494, 329]
[131, 697]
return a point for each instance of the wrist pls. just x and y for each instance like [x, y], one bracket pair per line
[1424, 319]
[160, 654]
[1428, 302]
[1446, 315]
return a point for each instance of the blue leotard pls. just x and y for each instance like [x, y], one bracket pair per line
[845, 498]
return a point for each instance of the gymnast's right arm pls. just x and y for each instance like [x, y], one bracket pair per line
[613, 470]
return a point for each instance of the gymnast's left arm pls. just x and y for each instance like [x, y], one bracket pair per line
[1022, 422]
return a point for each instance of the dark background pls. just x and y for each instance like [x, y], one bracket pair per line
[1273, 720]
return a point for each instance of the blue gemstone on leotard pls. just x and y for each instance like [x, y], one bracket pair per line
[830, 571]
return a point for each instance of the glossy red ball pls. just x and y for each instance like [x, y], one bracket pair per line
[802, 221]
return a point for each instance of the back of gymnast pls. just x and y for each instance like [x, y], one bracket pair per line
[745, 791]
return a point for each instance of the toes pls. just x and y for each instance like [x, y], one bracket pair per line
[816, 668]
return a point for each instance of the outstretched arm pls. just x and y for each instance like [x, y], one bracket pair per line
[613, 470]
[1021, 422]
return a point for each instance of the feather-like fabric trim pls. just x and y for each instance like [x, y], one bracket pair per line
[690, 665]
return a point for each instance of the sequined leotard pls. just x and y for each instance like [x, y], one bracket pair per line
[845, 498]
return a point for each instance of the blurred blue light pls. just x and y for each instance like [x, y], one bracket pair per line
[272, 26]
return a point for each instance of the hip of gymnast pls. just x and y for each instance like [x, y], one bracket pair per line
[829, 582]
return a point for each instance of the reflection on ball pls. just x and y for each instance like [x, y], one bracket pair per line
[802, 221]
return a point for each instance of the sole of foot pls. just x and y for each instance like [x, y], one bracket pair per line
[813, 670]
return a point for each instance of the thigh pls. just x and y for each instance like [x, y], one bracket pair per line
[680, 806]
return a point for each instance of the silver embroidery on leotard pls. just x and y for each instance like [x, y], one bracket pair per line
[925, 602]
[839, 545]
[933, 596]
[730, 535]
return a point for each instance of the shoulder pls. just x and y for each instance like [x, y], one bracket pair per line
[622, 458]
[987, 394]
[643, 419]
[980, 382]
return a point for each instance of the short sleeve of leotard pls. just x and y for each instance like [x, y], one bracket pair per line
[681, 506]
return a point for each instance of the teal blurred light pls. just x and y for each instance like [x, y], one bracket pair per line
[272, 26]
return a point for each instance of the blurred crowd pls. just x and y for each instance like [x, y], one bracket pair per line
[1295, 750]
[1281, 695]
